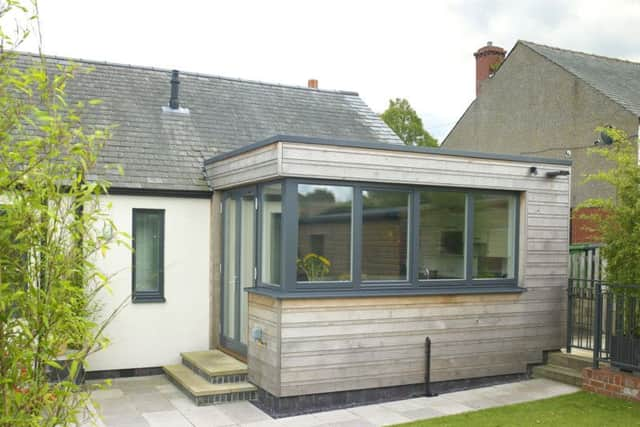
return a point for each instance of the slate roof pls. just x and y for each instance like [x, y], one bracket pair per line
[616, 78]
[165, 150]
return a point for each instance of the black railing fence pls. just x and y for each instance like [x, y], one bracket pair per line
[605, 318]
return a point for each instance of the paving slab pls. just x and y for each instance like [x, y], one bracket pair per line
[446, 406]
[336, 416]
[243, 412]
[422, 414]
[166, 419]
[155, 402]
[352, 423]
[378, 415]
[125, 421]
[208, 416]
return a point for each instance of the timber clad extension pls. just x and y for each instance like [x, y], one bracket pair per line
[325, 341]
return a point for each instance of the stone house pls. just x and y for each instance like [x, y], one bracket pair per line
[548, 101]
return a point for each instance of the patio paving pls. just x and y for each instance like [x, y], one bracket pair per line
[154, 402]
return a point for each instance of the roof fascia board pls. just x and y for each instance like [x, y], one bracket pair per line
[385, 147]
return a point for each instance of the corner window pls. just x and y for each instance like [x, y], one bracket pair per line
[493, 236]
[442, 235]
[271, 259]
[351, 236]
[148, 255]
[324, 233]
[385, 223]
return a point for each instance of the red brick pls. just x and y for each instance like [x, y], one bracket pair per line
[587, 387]
[614, 388]
[598, 384]
[583, 230]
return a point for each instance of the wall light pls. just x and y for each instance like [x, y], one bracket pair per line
[553, 174]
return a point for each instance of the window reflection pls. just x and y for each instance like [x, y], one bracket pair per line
[441, 235]
[384, 234]
[324, 233]
[493, 235]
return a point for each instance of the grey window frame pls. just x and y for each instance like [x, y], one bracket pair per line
[356, 286]
[258, 255]
[155, 295]
[327, 284]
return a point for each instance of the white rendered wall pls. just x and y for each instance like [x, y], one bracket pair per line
[154, 334]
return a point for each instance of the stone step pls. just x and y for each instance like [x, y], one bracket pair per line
[203, 392]
[568, 360]
[215, 366]
[558, 373]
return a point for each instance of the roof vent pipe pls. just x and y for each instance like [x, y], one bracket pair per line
[175, 82]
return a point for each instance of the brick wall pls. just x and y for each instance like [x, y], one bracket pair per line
[583, 225]
[621, 385]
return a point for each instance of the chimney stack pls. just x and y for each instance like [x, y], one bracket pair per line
[174, 104]
[486, 57]
[312, 84]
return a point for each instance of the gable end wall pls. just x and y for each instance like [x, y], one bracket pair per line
[532, 105]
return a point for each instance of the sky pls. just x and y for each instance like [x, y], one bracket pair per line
[419, 50]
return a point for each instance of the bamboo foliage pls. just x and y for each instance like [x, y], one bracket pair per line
[51, 231]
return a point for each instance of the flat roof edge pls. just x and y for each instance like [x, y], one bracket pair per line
[385, 146]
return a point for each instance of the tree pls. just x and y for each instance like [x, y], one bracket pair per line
[617, 218]
[52, 229]
[404, 121]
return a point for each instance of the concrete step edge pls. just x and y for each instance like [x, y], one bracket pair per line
[567, 359]
[197, 386]
[559, 369]
[556, 373]
[191, 358]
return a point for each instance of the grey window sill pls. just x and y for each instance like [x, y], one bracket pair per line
[350, 293]
[148, 299]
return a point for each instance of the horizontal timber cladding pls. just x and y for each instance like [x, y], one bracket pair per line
[329, 345]
[258, 165]
[264, 355]
[359, 164]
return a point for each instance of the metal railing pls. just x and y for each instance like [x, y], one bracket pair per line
[605, 318]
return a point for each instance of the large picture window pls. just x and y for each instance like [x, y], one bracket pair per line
[329, 236]
[384, 234]
[148, 255]
[442, 237]
[493, 236]
[324, 233]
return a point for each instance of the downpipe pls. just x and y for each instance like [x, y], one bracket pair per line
[427, 368]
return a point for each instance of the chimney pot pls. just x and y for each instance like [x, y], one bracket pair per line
[312, 84]
[487, 57]
[174, 103]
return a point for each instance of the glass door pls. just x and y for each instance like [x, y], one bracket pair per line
[238, 273]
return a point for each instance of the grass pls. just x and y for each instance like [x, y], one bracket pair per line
[577, 409]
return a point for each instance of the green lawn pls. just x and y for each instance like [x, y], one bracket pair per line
[576, 409]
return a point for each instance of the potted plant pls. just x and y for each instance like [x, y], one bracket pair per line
[314, 266]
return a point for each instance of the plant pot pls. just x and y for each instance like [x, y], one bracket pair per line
[625, 352]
